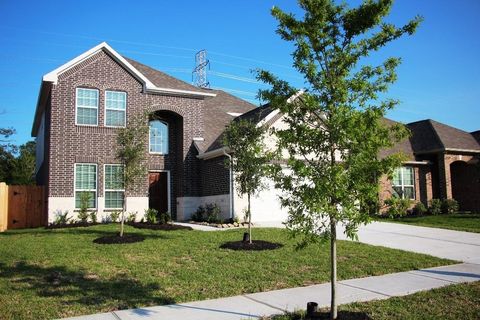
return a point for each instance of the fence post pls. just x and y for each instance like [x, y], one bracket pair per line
[3, 206]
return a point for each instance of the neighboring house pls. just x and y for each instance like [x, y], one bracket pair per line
[82, 104]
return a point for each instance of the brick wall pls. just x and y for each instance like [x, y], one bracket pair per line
[215, 177]
[71, 144]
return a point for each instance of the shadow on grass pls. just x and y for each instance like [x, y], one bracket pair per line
[324, 315]
[78, 287]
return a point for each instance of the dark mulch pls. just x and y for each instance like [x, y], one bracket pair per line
[256, 245]
[165, 227]
[71, 225]
[116, 239]
[325, 315]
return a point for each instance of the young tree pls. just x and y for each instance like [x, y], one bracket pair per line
[335, 128]
[23, 172]
[131, 152]
[248, 159]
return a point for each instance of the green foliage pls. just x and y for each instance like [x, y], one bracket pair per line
[435, 206]
[114, 216]
[420, 209]
[131, 216]
[397, 207]
[151, 215]
[164, 218]
[335, 127]
[209, 213]
[17, 163]
[93, 216]
[449, 206]
[84, 202]
[61, 218]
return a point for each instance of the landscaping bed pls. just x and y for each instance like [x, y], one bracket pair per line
[156, 226]
[167, 267]
[221, 224]
[458, 301]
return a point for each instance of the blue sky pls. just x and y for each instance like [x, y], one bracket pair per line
[439, 77]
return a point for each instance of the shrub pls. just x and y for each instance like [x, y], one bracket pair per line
[83, 211]
[61, 217]
[93, 216]
[131, 216]
[420, 209]
[164, 218]
[114, 215]
[435, 206]
[213, 212]
[198, 215]
[449, 206]
[151, 215]
[397, 207]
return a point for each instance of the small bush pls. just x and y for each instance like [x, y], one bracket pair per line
[131, 216]
[449, 206]
[213, 213]
[83, 211]
[420, 209]
[151, 215]
[435, 207]
[164, 218]
[397, 207]
[93, 216]
[114, 216]
[61, 218]
[198, 215]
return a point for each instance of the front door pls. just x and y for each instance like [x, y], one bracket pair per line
[158, 191]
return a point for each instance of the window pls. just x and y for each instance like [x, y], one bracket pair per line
[87, 106]
[403, 183]
[86, 181]
[114, 188]
[158, 137]
[115, 108]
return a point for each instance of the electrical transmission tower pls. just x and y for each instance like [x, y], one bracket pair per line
[199, 73]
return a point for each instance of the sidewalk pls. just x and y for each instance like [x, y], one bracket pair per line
[255, 305]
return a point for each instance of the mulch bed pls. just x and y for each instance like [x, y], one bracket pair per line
[165, 227]
[116, 239]
[71, 225]
[256, 245]
[341, 315]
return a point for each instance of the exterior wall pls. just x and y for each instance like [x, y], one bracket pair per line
[215, 177]
[445, 177]
[188, 205]
[40, 145]
[70, 144]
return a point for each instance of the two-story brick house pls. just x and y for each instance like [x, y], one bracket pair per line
[82, 103]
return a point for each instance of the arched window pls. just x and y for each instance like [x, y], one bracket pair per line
[158, 137]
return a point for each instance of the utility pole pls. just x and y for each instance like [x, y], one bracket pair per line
[199, 73]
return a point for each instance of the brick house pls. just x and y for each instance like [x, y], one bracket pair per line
[82, 103]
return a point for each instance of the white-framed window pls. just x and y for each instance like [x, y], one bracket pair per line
[158, 137]
[86, 105]
[115, 108]
[114, 186]
[86, 181]
[403, 183]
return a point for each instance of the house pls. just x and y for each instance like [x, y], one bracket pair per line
[82, 104]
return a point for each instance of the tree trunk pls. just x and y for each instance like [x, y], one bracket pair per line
[333, 269]
[123, 214]
[249, 220]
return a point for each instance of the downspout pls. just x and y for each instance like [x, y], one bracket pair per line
[231, 182]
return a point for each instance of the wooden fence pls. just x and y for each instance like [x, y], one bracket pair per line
[22, 207]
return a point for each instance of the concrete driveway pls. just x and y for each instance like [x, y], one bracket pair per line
[449, 244]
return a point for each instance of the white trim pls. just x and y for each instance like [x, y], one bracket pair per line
[112, 190]
[417, 162]
[268, 118]
[168, 138]
[213, 154]
[75, 182]
[402, 185]
[147, 85]
[105, 109]
[86, 107]
[169, 196]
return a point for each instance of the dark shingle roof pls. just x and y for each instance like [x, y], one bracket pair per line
[217, 108]
[404, 146]
[476, 135]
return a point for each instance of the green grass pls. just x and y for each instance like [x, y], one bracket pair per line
[60, 273]
[469, 222]
[459, 301]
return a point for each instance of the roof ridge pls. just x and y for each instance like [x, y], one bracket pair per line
[436, 133]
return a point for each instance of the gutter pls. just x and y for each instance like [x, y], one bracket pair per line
[213, 154]
[230, 185]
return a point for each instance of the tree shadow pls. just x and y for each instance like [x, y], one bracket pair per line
[83, 288]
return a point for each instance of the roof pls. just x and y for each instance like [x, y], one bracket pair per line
[404, 146]
[476, 135]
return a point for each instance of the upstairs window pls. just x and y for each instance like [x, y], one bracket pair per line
[114, 187]
[86, 182]
[87, 106]
[404, 183]
[115, 108]
[158, 137]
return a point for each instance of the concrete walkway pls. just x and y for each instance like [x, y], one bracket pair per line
[253, 306]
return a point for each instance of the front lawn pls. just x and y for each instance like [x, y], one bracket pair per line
[469, 222]
[459, 301]
[59, 273]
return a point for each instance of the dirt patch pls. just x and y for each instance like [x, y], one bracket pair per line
[165, 227]
[256, 245]
[116, 239]
[71, 225]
